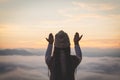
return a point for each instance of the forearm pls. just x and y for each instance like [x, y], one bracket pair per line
[78, 50]
[48, 52]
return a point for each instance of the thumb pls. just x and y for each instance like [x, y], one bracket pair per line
[80, 37]
[47, 39]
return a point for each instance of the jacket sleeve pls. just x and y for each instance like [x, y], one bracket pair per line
[78, 52]
[48, 53]
[77, 59]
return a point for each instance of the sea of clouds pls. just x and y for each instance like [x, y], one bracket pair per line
[33, 67]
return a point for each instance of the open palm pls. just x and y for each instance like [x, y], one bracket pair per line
[77, 38]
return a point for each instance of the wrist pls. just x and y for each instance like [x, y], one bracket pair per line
[51, 43]
[76, 43]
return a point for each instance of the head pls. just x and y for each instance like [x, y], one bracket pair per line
[62, 43]
[62, 40]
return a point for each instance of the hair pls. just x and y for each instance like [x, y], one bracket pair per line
[57, 65]
[56, 62]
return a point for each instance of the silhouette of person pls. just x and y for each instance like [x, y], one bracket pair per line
[61, 63]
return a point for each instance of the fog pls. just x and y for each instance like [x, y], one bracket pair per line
[34, 68]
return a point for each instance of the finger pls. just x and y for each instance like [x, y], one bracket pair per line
[50, 35]
[47, 39]
[80, 37]
[76, 35]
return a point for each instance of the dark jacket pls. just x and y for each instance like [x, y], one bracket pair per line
[70, 75]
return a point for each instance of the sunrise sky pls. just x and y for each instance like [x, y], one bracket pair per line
[26, 23]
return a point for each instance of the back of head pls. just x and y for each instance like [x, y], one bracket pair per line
[62, 40]
[61, 56]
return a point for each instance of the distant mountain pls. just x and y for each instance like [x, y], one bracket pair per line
[24, 52]
[88, 52]
[101, 52]
[36, 51]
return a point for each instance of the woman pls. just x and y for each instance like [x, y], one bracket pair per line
[61, 64]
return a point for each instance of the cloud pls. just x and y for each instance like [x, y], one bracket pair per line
[24, 72]
[81, 17]
[91, 10]
[103, 68]
[102, 43]
[94, 6]
[23, 68]
[24, 52]
[4, 1]
[4, 68]
[100, 68]
[87, 51]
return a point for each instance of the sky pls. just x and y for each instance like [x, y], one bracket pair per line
[26, 23]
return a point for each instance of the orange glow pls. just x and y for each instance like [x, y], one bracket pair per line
[28, 24]
[17, 37]
[101, 44]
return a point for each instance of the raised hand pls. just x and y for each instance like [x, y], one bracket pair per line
[50, 39]
[77, 38]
